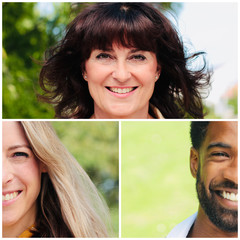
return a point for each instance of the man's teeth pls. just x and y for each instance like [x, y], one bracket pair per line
[9, 196]
[121, 90]
[230, 196]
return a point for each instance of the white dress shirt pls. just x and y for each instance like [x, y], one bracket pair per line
[183, 228]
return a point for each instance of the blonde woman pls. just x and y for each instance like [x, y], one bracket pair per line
[45, 191]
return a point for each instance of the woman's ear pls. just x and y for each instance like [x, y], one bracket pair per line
[84, 74]
[43, 168]
[194, 161]
[158, 73]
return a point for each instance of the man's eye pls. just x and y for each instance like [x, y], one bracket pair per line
[20, 154]
[103, 56]
[220, 154]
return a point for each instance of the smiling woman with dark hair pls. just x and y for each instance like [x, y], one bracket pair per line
[122, 60]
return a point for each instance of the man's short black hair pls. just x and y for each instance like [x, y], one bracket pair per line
[198, 133]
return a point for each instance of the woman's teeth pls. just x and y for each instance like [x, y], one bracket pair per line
[121, 90]
[10, 196]
[230, 196]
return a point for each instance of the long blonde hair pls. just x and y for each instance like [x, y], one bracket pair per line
[83, 210]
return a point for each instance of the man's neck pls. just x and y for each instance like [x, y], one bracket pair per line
[203, 228]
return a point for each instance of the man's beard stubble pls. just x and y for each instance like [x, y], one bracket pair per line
[224, 219]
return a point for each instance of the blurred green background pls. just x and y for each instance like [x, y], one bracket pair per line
[95, 146]
[157, 188]
[28, 29]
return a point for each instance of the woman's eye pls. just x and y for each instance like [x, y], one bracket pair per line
[20, 154]
[139, 57]
[103, 56]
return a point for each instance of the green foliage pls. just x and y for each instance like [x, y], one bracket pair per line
[27, 33]
[158, 190]
[234, 103]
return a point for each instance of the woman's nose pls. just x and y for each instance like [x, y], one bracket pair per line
[7, 173]
[121, 72]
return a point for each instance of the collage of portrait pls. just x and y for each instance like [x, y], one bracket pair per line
[119, 120]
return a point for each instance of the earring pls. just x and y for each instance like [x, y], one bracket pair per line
[156, 77]
[85, 76]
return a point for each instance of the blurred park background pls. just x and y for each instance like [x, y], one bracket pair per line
[95, 146]
[157, 188]
[29, 28]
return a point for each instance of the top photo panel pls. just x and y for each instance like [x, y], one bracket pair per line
[119, 60]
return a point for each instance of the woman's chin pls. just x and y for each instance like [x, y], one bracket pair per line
[123, 114]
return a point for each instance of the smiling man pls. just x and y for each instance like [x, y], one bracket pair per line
[214, 164]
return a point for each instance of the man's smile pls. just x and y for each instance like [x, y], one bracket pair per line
[230, 196]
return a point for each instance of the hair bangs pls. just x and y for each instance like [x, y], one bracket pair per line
[124, 27]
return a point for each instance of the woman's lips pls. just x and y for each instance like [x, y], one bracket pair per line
[10, 197]
[121, 91]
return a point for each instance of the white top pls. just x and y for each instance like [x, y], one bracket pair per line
[183, 228]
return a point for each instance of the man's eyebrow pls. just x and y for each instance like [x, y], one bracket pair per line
[218, 144]
[19, 146]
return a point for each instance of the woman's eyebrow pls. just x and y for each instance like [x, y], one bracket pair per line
[135, 50]
[19, 146]
[106, 50]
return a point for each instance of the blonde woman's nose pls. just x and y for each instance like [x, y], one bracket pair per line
[7, 173]
[121, 72]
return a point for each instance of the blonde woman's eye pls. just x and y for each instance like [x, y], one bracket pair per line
[20, 154]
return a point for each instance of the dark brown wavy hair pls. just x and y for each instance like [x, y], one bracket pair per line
[139, 25]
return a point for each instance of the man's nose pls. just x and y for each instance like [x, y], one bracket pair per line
[231, 172]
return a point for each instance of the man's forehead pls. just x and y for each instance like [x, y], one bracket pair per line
[221, 132]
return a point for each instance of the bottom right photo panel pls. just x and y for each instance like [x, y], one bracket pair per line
[179, 179]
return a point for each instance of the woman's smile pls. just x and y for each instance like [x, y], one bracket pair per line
[10, 197]
[121, 92]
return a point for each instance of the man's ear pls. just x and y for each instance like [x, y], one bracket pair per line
[194, 161]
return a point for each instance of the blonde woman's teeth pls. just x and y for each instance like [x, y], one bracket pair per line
[230, 196]
[121, 90]
[9, 196]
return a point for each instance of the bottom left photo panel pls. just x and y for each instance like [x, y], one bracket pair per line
[60, 179]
